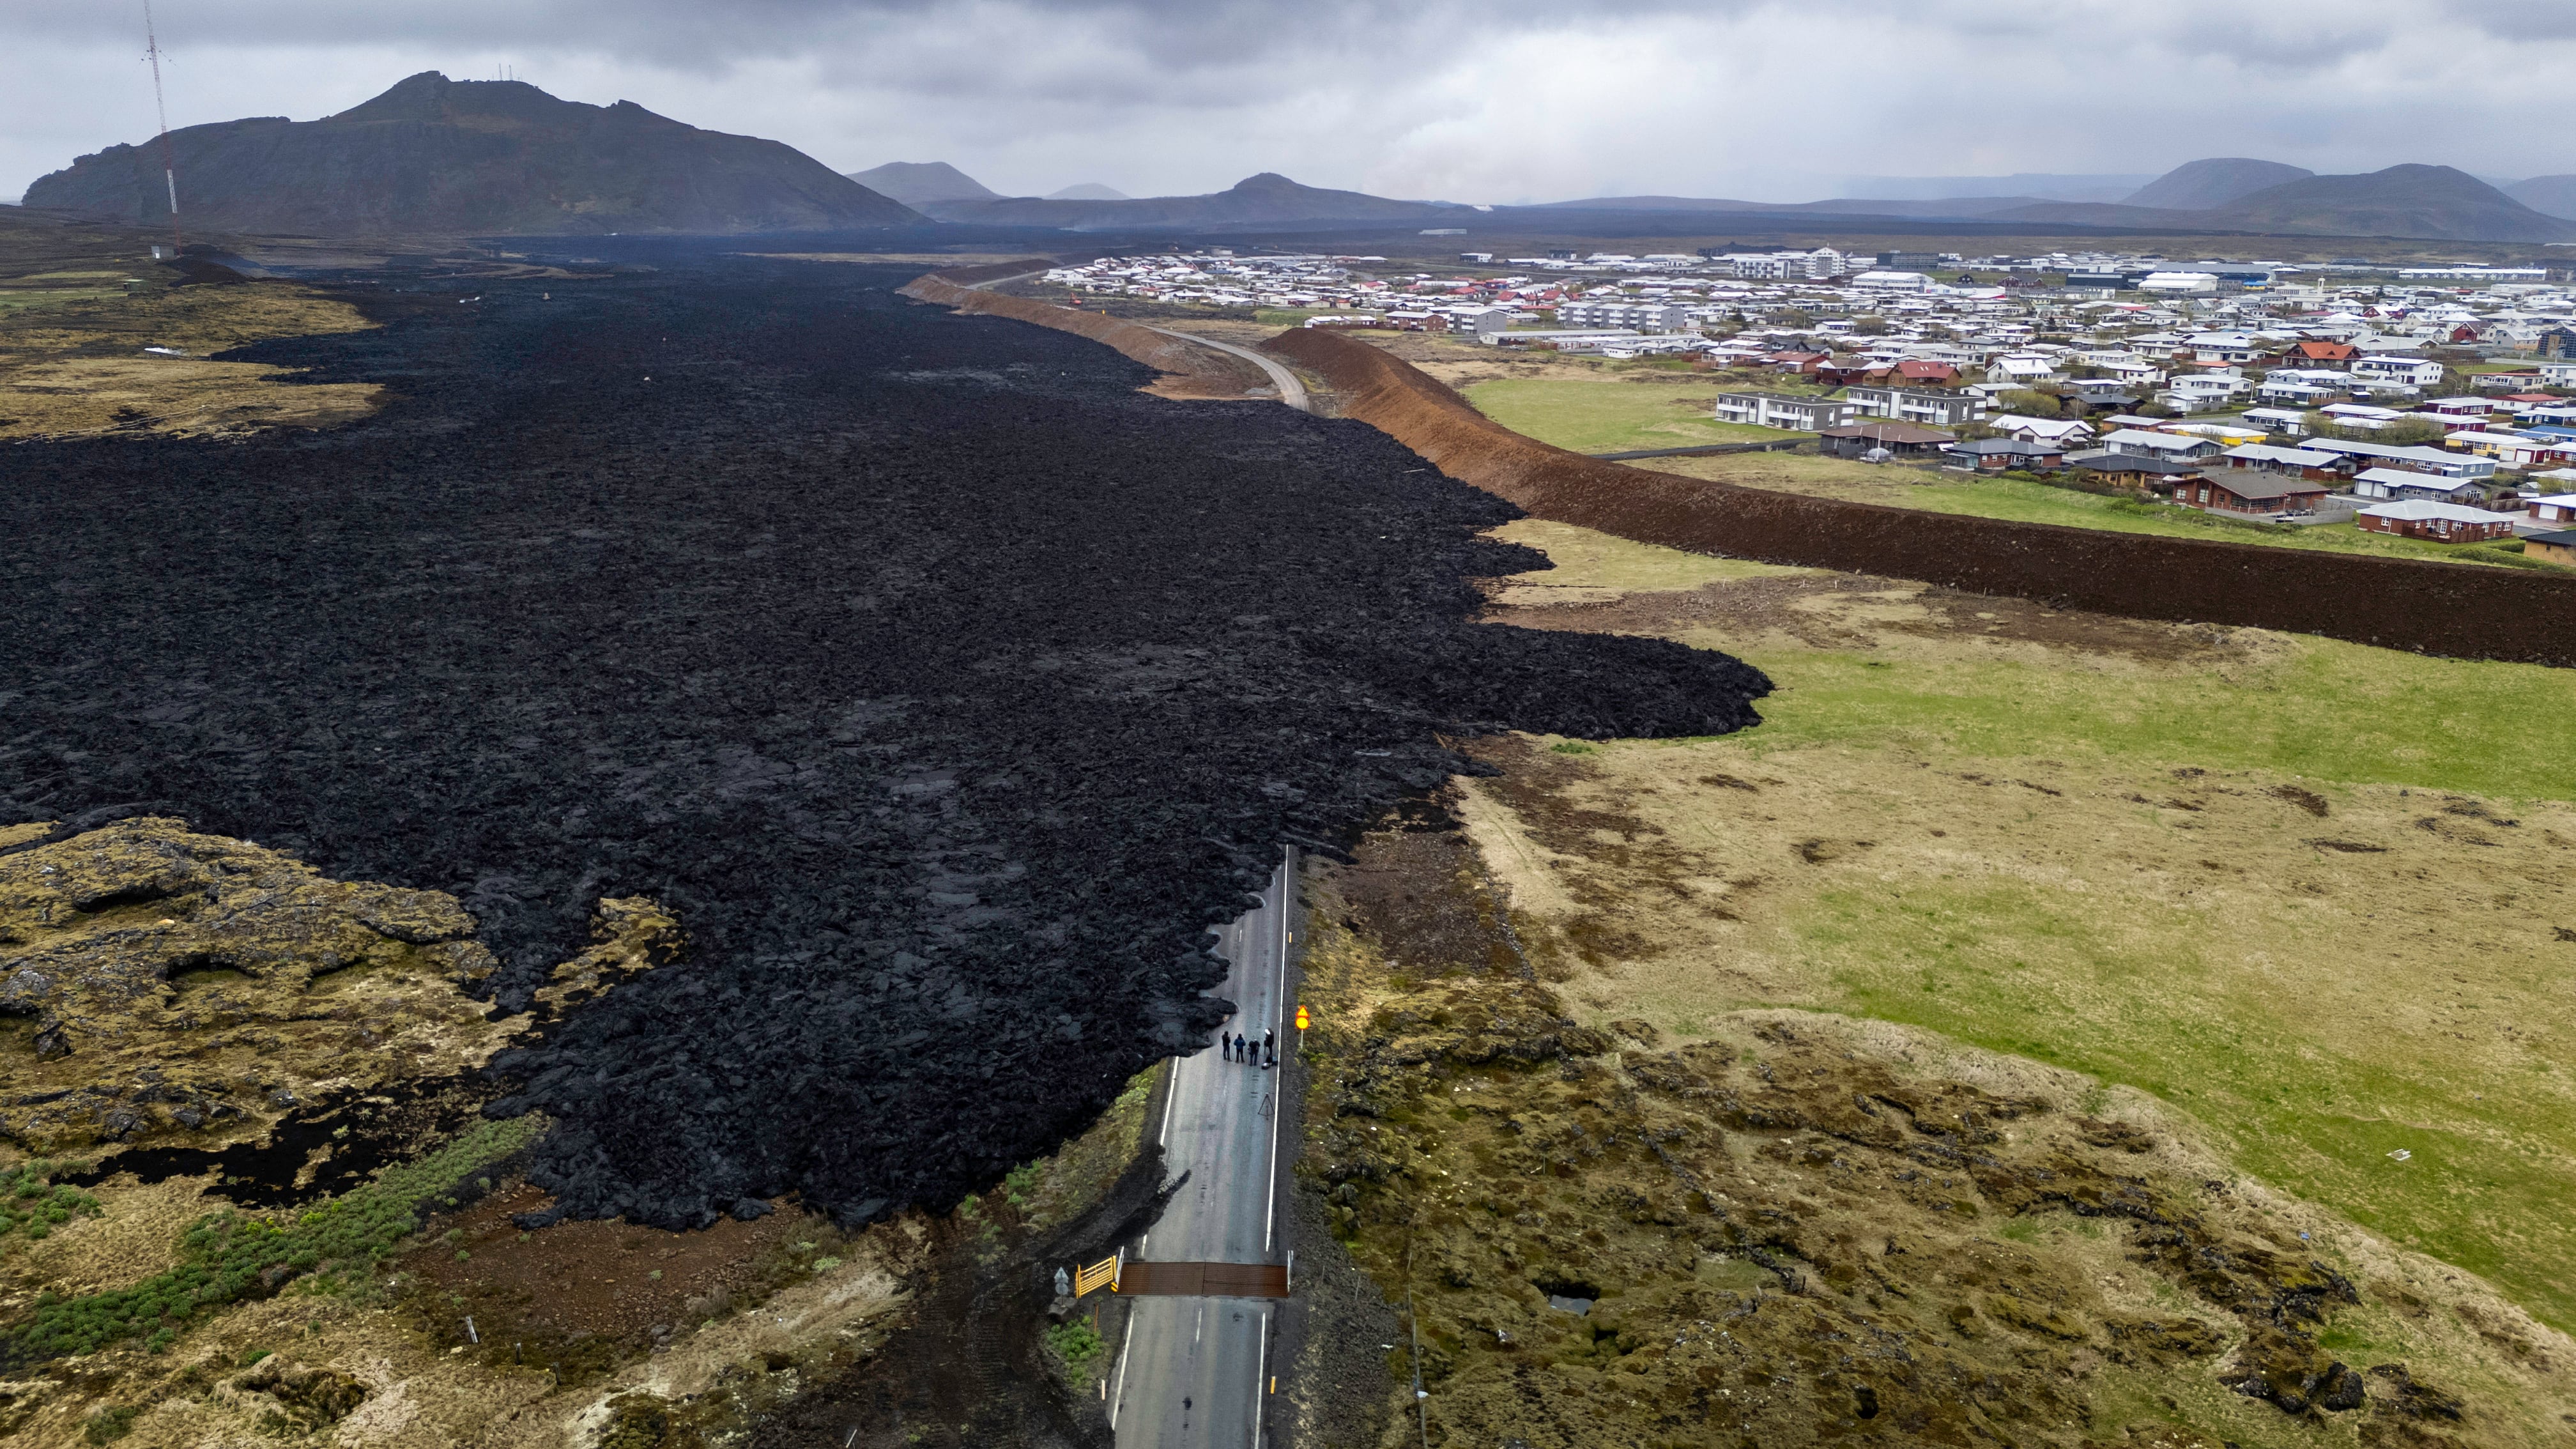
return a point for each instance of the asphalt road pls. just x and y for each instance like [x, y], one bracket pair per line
[1291, 391]
[1195, 1371]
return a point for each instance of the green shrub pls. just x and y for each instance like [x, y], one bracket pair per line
[1076, 1347]
[109, 1425]
[33, 1205]
[1022, 1180]
[229, 1257]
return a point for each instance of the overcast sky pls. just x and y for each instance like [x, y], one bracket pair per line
[1463, 100]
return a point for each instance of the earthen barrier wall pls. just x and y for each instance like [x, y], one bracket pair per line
[2462, 610]
[2436, 608]
[1143, 344]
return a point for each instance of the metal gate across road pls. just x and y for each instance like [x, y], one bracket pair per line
[1204, 1280]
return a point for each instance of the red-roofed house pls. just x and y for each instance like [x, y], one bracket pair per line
[2323, 354]
[1914, 372]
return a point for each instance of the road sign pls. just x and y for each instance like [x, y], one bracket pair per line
[1302, 1022]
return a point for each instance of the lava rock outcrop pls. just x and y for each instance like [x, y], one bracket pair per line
[945, 687]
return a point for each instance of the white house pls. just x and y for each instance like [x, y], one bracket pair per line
[2064, 432]
[2398, 483]
[2224, 347]
[2206, 390]
[1797, 414]
[2020, 367]
[2173, 447]
[2398, 369]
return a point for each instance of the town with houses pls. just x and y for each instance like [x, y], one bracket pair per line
[2433, 402]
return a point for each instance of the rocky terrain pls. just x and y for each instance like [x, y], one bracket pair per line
[436, 157]
[941, 684]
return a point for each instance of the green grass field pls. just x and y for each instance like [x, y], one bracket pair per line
[1611, 415]
[2329, 711]
[2029, 502]
[2316, 1009]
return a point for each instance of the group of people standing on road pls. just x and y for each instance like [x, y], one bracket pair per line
[1263, 1053]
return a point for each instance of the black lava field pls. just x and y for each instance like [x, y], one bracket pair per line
[947, 688]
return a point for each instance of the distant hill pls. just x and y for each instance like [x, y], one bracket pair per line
[914, 182]
[1088, 191]
[1944, 208]
[2037, 185]
[439, 157]
[2433, 202]
[2200, 185]
[1268, 199]
[2549, 195]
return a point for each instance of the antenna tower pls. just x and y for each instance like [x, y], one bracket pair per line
[169, 167]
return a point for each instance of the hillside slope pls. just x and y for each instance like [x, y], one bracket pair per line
[916, 182]
[1266, 199]
[2433, 202]
[1942, 208]
[2216, 181]
[2548, 195]
[441, 157]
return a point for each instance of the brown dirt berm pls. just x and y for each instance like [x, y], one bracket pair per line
[2400, 604]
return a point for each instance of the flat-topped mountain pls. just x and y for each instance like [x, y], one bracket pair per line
[460, 158]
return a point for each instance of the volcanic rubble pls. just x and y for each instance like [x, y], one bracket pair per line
[943, 687]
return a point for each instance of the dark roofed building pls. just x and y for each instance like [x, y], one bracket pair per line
[2252, 491]
[1902, 440]
[2557, 547]
[2136, 470]
[1994, 455]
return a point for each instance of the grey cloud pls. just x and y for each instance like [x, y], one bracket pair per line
[1470, 99]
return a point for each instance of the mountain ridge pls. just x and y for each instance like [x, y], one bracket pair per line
[2213, 182]
[2433, 203]
[1266, 198]
[434, 156]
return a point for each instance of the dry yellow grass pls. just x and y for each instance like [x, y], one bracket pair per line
[2279, 884]
[79, 367]
[1476, 1151]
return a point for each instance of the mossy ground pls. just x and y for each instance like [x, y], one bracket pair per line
[2311, 893]
[73, 356]
[1798, 1229]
